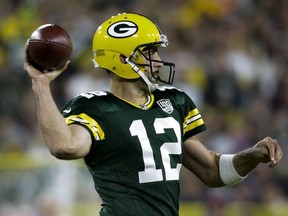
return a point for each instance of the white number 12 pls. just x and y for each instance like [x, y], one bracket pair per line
[150, 173]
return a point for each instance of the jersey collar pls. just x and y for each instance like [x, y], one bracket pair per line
[146, 106]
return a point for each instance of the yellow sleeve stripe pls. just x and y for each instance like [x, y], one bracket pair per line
[93, 125]
[194, 125]
[192, 120]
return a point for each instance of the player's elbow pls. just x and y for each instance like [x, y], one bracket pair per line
[213, 180]
[214, 184]
[64, 153]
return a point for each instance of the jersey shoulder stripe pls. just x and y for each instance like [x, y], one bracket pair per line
[192, 120]
[89, 122]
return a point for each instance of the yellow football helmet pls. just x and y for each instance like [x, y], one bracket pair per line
[125, 36]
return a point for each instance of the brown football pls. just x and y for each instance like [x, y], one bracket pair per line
[49, 47]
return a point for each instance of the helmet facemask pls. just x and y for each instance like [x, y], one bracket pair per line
[165, 73]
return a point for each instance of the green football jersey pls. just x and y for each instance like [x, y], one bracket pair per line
[136, 154]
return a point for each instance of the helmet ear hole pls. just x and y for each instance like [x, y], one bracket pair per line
[122, 59]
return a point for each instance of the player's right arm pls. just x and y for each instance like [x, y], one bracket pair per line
[63, 141]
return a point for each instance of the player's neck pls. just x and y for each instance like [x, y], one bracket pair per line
[129, 92]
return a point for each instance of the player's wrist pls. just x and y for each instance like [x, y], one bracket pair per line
[40, 84]
[228, 173]
[40, 81]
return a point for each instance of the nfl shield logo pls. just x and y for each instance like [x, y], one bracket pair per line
[166, 105]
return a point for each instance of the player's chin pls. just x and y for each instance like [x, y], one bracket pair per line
[153, 80]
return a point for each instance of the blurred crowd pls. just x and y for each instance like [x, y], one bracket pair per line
[231, 57]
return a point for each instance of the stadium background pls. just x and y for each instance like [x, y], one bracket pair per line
[231, 57]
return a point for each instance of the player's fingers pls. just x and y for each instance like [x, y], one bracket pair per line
[278, 152]
[26, 55]
[55, 73]
[274, 151]
[271, 148]
[61, 69]
[65, 66]
[26, 44]
[27, 66]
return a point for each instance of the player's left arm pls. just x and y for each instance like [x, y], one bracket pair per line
[202, 162]
[217, 170]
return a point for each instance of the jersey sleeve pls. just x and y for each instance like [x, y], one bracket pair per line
[79, 111]
[193, 122]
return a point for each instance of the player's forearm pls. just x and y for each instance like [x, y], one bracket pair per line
[233, 168]
[54, 130]
[244, 162]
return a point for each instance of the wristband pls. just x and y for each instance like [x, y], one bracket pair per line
[228, 174]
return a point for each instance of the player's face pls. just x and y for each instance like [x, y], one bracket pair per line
[152, 71]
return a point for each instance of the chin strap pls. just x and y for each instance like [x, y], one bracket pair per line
[151, 86]
[96, 65]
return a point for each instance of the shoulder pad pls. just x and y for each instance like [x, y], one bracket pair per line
[164, 88]
[90, 95]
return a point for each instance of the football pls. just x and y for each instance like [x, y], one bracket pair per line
[49, 47]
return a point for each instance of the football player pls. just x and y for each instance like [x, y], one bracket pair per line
[135, 138]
